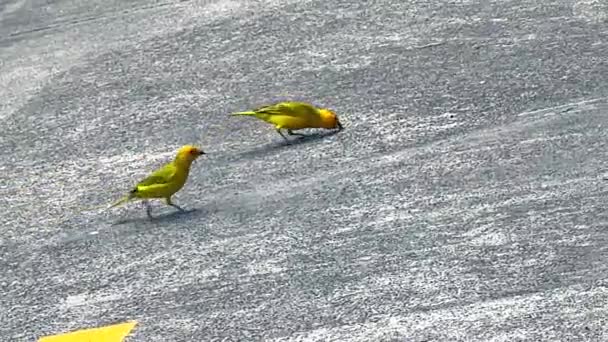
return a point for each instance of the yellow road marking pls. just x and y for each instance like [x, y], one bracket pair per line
[110, 333]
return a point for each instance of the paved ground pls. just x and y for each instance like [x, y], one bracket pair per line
[464, 201]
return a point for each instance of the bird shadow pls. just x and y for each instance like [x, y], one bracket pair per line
[174, 217]
[300, 140]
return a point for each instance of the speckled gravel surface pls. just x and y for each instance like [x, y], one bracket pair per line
[464, 201]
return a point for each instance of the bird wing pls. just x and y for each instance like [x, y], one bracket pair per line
[288, 108]
[161, 176]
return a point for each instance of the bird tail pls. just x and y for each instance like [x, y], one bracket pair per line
[122, 200]
[249, 113]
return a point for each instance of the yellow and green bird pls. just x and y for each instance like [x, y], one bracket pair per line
[293, 115]
[165, 181]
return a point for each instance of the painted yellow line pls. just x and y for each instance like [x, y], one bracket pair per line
[110, 333]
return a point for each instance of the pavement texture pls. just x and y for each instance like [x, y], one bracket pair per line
[464, 201]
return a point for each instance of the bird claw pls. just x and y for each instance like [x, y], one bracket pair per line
[177, 207]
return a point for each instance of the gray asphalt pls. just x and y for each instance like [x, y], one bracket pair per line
[464, 201]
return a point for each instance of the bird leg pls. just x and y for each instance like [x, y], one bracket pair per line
[290, 132]
[148, 209]
[168, 200]
[281, 133]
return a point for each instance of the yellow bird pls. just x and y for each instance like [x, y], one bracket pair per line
[292, 115]
[165, 181]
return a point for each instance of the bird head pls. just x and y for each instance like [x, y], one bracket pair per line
[330, 119]
[189, 153]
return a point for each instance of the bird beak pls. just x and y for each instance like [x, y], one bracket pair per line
[339, 125]
[201, 152]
